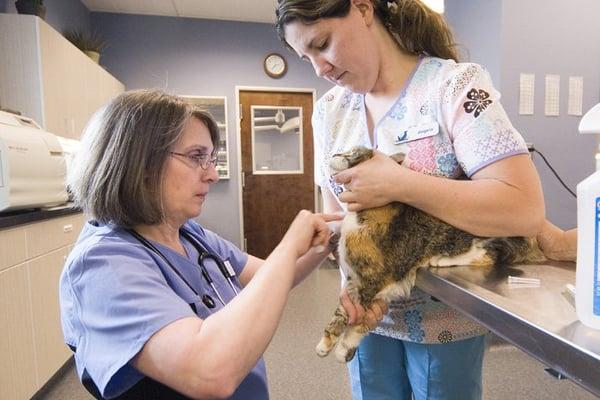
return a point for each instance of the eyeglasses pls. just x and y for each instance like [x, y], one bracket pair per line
[198, 160]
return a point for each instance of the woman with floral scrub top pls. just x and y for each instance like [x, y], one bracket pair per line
[399, 88]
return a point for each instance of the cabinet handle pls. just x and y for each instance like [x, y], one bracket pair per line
[67, 228]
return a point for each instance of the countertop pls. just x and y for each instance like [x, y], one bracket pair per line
[540, 320]
[14, 218]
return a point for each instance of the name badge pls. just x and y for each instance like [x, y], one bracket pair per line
[418, 132]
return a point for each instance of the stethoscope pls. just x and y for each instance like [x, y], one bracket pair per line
[224, 267]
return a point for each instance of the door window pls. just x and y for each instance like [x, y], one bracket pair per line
[277, 140]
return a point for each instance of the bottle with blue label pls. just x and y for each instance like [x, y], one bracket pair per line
[587, 286]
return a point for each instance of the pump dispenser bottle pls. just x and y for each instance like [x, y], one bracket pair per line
[587, 285]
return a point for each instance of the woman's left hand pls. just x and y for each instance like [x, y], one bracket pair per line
[372, 183]
[357, 314]
[557, 244]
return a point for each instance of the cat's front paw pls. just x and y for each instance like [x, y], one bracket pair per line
[344, 354]
[435, 261]
[444, 261]
[324, 346]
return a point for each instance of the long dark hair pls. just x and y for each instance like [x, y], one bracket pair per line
[416, 28]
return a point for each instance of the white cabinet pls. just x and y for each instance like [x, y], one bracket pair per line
[31, 339]
[217, 107]
[17, 364]
[51, 352]
[45, 77]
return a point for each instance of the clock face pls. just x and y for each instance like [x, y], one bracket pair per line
[275, 65]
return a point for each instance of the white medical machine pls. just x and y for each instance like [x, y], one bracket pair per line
[587, 287]
[32, 165]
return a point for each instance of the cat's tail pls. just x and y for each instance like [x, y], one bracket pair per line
[515, 250]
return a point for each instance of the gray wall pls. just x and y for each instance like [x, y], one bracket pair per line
[200, 57]
[477, 27]
[540, 37]
[62, 15]
[554, 37]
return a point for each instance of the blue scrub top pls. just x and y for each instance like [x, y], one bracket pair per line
[115, 294]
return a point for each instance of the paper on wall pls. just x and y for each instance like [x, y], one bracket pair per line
[551, 104]
[575, 95]
[526, 94]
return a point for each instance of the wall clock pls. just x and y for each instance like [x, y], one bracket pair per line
[275, 65]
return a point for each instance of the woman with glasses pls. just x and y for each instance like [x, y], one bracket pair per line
[153, 305]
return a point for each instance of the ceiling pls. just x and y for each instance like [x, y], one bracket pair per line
[231, 10]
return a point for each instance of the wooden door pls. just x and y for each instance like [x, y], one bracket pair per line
[277, 164]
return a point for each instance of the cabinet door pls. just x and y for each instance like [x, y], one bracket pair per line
[57, 71]
[20, 69]
[51, 351]
[46, 236]
[13, 247]
[104, 88]
[83, 89]
[74, 86]
[17, 360]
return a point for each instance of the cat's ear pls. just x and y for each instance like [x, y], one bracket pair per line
[398, 157]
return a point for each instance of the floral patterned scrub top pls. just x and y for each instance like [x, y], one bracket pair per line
[449, 123]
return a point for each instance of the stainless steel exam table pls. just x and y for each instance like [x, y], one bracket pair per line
[539, 320]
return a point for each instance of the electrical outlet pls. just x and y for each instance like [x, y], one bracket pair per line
[530, 146]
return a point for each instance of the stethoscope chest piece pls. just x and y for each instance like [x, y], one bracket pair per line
[224, 267]
[208, 301]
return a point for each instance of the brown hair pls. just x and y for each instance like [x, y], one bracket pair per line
[416, 28]
[117, 173]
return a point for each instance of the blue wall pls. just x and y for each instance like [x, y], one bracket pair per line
[200, 57]
[62, 15]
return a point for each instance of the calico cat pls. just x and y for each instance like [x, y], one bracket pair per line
[380, 250]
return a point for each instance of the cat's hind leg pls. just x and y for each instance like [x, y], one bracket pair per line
[348, 343]
[352, 336]
[333, 331]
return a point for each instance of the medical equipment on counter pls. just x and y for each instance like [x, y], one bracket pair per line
[224, 266]
[70, 147]
[518, 280]
[32, 165]
[587, 279]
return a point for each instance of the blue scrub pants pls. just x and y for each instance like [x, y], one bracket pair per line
[385, 368]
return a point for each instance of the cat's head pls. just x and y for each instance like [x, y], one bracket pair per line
[349, 159]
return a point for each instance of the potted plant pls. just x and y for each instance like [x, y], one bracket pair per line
[90, 43]
[32, 7]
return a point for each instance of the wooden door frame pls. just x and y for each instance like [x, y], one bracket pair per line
[238, 128]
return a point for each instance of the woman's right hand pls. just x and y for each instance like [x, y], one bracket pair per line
[357, 313]
[308, 230]
[372, 183]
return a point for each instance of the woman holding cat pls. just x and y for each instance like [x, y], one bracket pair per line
[400, 89]
[145, 304]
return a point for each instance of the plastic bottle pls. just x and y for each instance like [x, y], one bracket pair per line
[587, 292]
